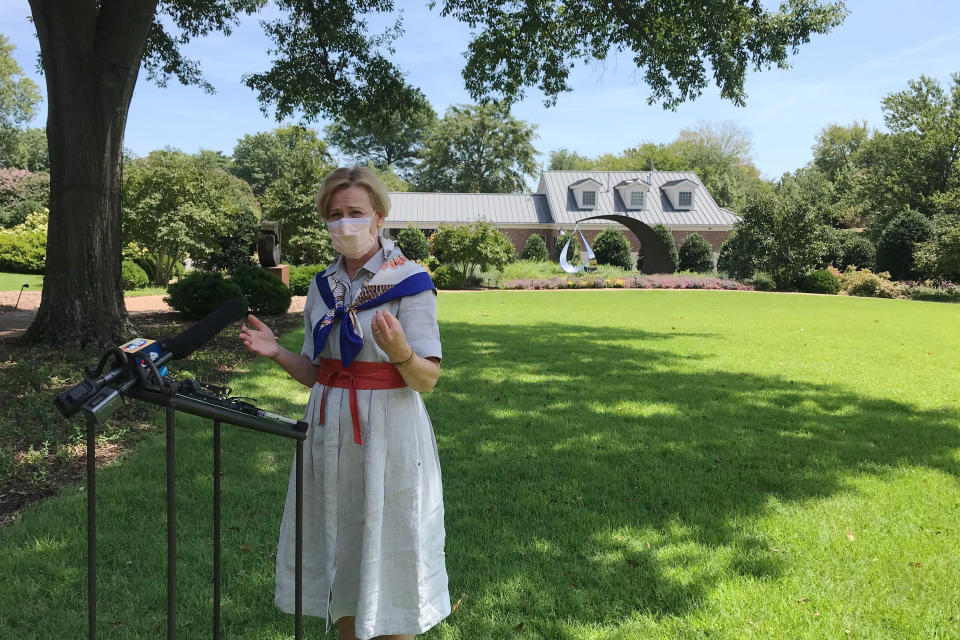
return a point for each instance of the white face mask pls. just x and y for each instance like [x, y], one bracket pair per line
[353, 237]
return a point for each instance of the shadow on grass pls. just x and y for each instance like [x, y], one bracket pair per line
[587, 476]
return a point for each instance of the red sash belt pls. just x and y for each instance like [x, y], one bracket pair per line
[359, 375]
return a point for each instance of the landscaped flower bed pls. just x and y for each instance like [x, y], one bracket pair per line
[680, 281]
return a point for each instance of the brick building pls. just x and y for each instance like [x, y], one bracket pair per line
[675, 198]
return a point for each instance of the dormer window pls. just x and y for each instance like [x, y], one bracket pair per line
[636, 199]
[685, 198]
[633, 193]
[680, 192]
[585, 192]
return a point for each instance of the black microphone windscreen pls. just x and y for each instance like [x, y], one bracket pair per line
[182, 345]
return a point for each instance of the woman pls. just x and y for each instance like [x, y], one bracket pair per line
[373, 507]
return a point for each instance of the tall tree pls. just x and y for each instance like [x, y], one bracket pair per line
[327, 63]
[478, 148]
[385, 138]
[19, 97]
[265, 157]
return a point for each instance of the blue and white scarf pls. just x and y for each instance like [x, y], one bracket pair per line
[398, 277]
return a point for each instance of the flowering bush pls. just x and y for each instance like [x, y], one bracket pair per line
[658, 281]
[933, 291]
[865, 283]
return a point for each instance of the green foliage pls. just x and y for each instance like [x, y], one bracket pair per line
[939, 257]
[895, 250]
[865, 283]
[821, 281]
[612, 247]
[23, 248]
[27, 149]
[311, 245]
[858, 251]
[385, 138]
[17, 214]
[534, 45]
[477, 149]
[471, 247]
[413, 243]
[565, 160]
[535, 248]
[20, 185]
[19, 96]
[264, 158]
[148, 263]
[265, 293]
[198, 293]
[736, 257]
[234, 244]
[301, 277]
[445, 277]
[695, 254]
[175, 204]
[288, 165]
[782, 234]
[133, 276]
[762, 281]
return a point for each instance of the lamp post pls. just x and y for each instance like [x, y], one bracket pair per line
[25, 286]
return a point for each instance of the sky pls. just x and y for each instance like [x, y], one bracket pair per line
[841, 77]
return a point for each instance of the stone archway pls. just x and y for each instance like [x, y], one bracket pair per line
[656, 256]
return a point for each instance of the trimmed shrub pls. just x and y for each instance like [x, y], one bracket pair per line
[859, 252]
[535, 249]
[413, 243]
[198, 293]
[735, 259]
[821, 281]
[23, 248]
[265, 293]
[444, 277]
[695, 254]
[133, 276]
[301, 277]
[612, 247]
[898, 242]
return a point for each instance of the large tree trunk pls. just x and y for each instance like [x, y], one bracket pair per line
[91, 57]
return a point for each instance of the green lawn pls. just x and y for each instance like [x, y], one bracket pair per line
[617, 464]
[13, 281]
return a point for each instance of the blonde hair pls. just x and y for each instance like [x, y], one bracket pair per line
[343, 178]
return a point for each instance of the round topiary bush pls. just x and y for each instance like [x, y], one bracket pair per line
[858, 252]
[898, 242]
[413, 243]
[667, 237]
[265, 293]
[198, 293]
[821, 281]
[535, 249]
[133, 276]
[444, 277]
[696, 254]
[612, 247]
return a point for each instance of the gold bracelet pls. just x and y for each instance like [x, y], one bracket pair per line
[404, 362]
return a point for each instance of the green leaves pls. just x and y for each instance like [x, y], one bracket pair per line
[478, 149]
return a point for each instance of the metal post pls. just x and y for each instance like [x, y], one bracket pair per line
[171, 526]
[216, 530]
[298, 562]
[92, 527]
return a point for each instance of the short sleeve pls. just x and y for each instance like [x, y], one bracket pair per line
[308, 320]
[418, 317]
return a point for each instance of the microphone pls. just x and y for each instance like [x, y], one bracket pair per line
[191, 339]
[159, 352]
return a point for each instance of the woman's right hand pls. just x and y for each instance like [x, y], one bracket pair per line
[259, 339]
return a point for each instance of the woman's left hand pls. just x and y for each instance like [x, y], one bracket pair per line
[389, 336]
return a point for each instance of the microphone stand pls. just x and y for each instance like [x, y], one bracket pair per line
[143, 382]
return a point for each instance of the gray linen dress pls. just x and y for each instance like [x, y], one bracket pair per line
[373, 530]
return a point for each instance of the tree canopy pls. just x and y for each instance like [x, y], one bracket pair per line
[477, 149]
[325, 61]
